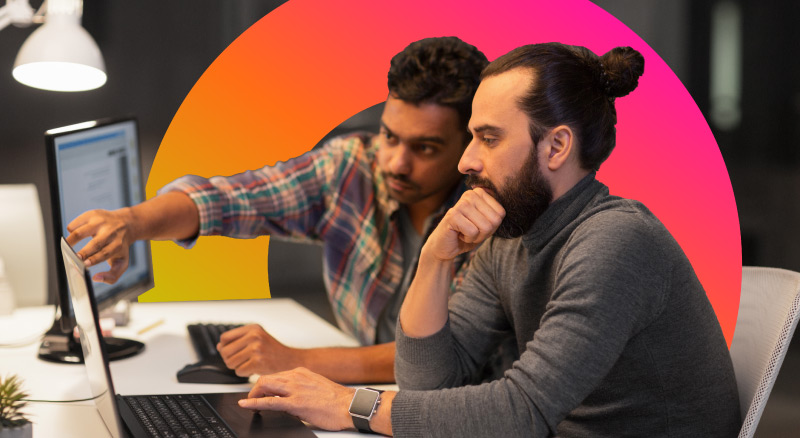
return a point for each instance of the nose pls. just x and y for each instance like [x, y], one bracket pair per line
[400, 163]
[470, 162]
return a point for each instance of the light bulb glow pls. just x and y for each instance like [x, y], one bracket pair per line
[59, 76]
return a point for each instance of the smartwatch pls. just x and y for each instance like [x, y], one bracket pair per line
[363, 407]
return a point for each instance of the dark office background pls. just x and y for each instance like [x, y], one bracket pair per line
[155, 51]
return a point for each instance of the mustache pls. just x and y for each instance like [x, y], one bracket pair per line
[476, 181]
[398, 177]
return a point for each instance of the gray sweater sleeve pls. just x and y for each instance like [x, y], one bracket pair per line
[605, 289]
[420, 363]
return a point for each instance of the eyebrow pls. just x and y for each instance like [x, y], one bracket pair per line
[491, 129]
[419, 139]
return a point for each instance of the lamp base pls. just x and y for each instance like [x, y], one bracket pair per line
[62, 348]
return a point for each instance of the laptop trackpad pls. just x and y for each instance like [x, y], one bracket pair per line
[247, 423]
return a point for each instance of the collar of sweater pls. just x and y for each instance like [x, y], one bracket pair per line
[562, 211]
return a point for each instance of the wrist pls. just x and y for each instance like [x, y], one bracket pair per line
[129, 218]
[429, 257]
[346, 418]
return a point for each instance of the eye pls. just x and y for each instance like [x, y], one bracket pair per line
[488, 141]
[391, 139]
[426, 149]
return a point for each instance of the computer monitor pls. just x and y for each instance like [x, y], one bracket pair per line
[94, 165]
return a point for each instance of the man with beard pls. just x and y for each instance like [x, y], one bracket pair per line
[370, 200]
[616, 333]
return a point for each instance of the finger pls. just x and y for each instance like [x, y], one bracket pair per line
[82, 219]
[487, 204]
[265, 403]
[246, 369]
[234, 334]
[490, 200]
[476, 213]
[466, 229]
[99, 242]
[93, 255]
[238, 361]
[82, 232]
[270, 385]
[475, 219]
[118, 267]
[235, 353]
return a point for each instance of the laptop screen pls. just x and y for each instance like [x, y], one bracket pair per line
[85, 308]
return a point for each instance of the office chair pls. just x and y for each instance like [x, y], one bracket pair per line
[769, 309]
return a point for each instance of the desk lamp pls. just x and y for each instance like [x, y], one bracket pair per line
[60, 55]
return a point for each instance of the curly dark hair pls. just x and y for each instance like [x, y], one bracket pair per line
[572, 86]
[444, 70]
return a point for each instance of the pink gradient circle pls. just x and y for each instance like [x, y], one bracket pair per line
[310, 64]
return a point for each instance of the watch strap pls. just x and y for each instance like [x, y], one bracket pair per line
[362, 424]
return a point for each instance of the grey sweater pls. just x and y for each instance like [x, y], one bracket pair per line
[616, 334]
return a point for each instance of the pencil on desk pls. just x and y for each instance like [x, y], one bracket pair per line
[151, 326]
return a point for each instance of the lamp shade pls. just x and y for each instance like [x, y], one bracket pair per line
[60, 56]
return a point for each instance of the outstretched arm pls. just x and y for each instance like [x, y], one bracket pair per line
[286, 199]
[172, 215]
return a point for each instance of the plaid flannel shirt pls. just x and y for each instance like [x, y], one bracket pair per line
[334, 195]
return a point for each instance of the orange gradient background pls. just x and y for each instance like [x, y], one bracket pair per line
[311, 64]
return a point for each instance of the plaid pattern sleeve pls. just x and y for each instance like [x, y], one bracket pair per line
[332, 195]
[285, 200]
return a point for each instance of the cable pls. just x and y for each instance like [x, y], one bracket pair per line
[64, 401]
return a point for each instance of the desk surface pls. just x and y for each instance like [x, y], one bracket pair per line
[167, 349]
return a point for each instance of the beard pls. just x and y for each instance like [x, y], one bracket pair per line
[525, 197]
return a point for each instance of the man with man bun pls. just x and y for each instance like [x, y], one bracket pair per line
[616, 334]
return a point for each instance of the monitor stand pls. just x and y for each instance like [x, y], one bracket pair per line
[61, 347]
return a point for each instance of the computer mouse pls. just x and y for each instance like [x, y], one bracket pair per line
[206, 372]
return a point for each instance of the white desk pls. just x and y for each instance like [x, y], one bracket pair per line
[167, 349]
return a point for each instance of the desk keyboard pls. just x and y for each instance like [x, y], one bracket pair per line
[210, 368]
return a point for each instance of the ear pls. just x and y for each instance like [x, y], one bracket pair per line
[559, 146]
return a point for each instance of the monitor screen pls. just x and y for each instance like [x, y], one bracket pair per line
[95, 165]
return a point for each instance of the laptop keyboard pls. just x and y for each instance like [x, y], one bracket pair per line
[179, 416]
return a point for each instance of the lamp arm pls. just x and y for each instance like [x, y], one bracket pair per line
[17, 12]
[5, 20]
[38, 17]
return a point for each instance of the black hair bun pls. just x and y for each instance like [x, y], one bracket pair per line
[623, 66]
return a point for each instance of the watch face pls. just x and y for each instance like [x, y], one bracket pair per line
[364, 402]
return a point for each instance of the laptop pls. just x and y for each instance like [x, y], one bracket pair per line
[189, 415]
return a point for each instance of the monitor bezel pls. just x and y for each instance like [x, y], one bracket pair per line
[114, 296]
